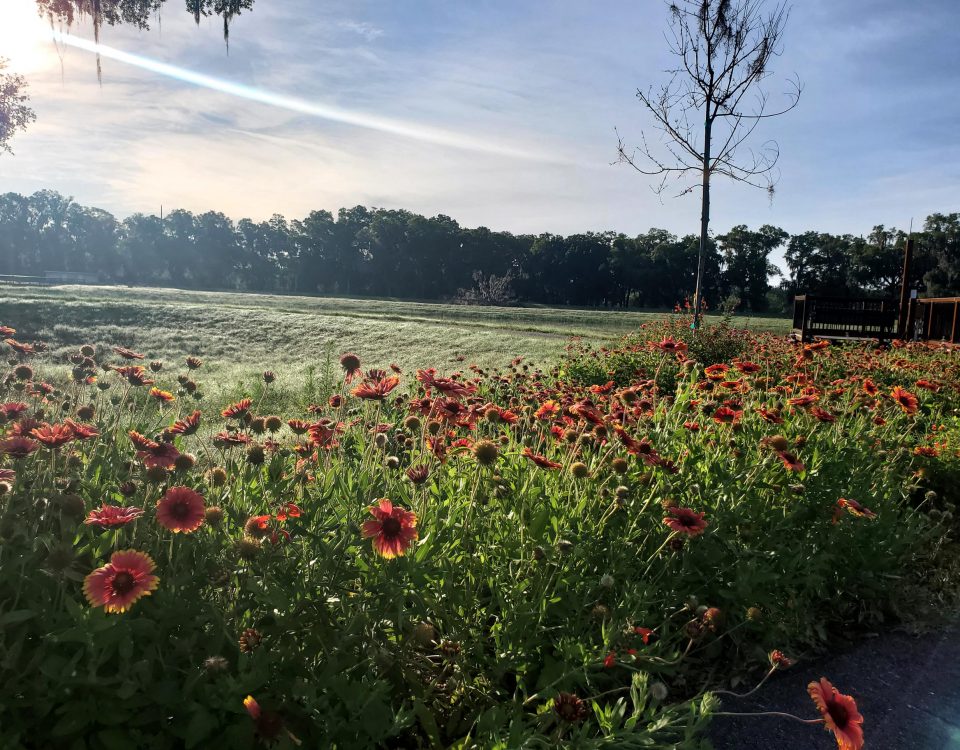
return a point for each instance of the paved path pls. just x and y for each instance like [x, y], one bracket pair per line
[907, 689]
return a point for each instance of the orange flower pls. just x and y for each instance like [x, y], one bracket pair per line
[870, 388]
[392, 529]
[542, 461]
[127, 353]
[716, 372]
[547, 411]
[53, 435]
[376, 389]
[161, 396]
[237, 410]
[907, 401]
[840, 714]
[187, 425]
[180, 509]
[685, 521]
[121, 582]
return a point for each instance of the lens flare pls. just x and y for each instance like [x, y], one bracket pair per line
[401, 128]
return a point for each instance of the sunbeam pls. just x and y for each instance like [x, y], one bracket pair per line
[412, 130]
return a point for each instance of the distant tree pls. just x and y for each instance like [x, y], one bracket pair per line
[940, 244]
[746, 263]
[488, 290]
[724, 49]
[15, 114]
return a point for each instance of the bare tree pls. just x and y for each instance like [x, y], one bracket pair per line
[724, 48]
[14, 113]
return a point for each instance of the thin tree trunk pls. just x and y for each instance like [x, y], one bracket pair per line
[704, 221]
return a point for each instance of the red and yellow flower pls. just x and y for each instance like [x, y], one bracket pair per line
[120, 583]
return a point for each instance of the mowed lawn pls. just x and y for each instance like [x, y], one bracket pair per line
[300, 338]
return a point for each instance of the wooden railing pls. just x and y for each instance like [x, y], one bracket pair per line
[844, 318]
[936, 319]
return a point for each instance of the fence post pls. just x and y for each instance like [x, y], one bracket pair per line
[905, 290]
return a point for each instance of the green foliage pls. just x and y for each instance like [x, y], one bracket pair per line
[522, 593]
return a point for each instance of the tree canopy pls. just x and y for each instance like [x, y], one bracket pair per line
[396, 253]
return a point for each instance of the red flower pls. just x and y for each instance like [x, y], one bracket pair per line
[791, 461]
[13, 409]
[127, 353]
[187, 425]
[685, 521]
[81, 431]
[134, 374]
[840, 714]
[418, 474]
[771, 416]
[747, 368]
[121, 582]
[180, 509]
[53, 435]
[289, 510]
[907, 401]
[351, 366]
[726, 415]
[605, 388]
[928, 385]
[376, 389]
[237, 410]
[610, 660]
[853, 508]
[7, 475]
[18, 446]
[669, 345]
[647, 635]
[392, 529]
[110, 516]
[779, 659]
[692, 426]
[803, 401]
[7, 331]
[542, 461]
[268, 724]
[298, 426]
[822, 414]
[870, 388]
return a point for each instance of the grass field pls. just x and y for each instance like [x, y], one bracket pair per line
[240, 335]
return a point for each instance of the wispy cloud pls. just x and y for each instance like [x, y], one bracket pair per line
[367, 30]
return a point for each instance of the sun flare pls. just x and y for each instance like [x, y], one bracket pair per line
[24, 36]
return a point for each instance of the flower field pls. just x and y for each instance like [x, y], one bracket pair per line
[600, 554]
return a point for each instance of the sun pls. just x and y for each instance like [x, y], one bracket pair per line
[24, 36]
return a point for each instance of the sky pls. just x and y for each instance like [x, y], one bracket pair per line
[496, 113]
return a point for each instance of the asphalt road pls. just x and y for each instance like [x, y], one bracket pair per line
[907, 688]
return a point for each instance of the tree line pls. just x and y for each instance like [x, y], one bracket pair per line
[395, 253]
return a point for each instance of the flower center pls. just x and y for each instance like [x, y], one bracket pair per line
[123, 583]
[839, 714]
[179, 511]
[391, 526]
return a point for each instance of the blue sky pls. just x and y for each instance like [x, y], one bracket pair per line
[533, 90]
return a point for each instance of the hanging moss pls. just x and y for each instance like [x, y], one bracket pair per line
[137, 13]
